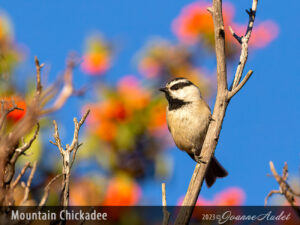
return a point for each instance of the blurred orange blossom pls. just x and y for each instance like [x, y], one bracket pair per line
[158, 123]
[104, 116]
[195, 23]
[122, 190]
[97, 58]
[85, 192]
[108, 114]
[133, 95]
[233, 196]
[17, 114]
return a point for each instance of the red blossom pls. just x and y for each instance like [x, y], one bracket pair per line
[97, 56]
[17, 114]
[95, 63]
[122, 191]
[133, 95]
[233, 196]
[195, 22]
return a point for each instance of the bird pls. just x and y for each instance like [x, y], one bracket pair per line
[188, 118]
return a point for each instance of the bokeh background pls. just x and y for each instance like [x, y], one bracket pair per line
[127, 50]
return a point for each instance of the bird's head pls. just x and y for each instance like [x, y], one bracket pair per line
[181, 89]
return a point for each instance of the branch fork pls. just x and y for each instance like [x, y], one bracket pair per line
[223, 98]
[284, 188]
[66, 154]
[243, 40]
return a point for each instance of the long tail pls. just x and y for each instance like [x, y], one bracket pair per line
[214, 171]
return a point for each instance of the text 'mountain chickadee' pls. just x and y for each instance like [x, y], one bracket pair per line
[188, 117]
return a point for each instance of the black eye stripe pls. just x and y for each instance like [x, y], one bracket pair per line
[180, 85]
[175, 103]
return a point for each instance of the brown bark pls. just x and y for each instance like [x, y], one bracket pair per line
[222, 100]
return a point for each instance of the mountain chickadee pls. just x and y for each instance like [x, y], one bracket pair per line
[188, 117]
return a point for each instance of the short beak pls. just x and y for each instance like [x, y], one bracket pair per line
[163, 90]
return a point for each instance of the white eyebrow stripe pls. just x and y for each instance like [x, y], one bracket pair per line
[173, 82]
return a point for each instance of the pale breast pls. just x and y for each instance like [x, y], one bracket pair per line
[188, 125]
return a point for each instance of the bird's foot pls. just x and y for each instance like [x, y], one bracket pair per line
[199, 159]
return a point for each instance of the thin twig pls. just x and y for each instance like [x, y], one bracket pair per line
[57, 138]
[244, 42]
[238, 38]
[47, 190]
[270, 194]
[284, 187]
[240, 85]
[27, 187]
[38, 67]
[68, 88]
[18, 178]
[25, 146]
[74, 155]
[76, 130]
[166, 217]
[210, 10]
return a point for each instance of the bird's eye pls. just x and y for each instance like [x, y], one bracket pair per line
[180, 85]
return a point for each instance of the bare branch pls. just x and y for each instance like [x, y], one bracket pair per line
[18, 178]
[38, 67]
[220, 45]
[241, 84]
[26, 146]
[66, 155]
[84, 117]
[57, 139]
[244, 42]
[270, 194]
[47, 190]
[27, 186]
[238, 38]
[285, 172]
[76, 130]
[74, 155]
[9, 142]
[166, 217]
[68, 88]
[284, 187]
[221, 103]
[210, 10]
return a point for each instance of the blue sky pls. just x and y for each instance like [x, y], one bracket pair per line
[262, 121]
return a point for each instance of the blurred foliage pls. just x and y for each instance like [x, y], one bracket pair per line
[163, 61]
[126, 132]
[129, 127]
[10, 55]
[97, 56]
